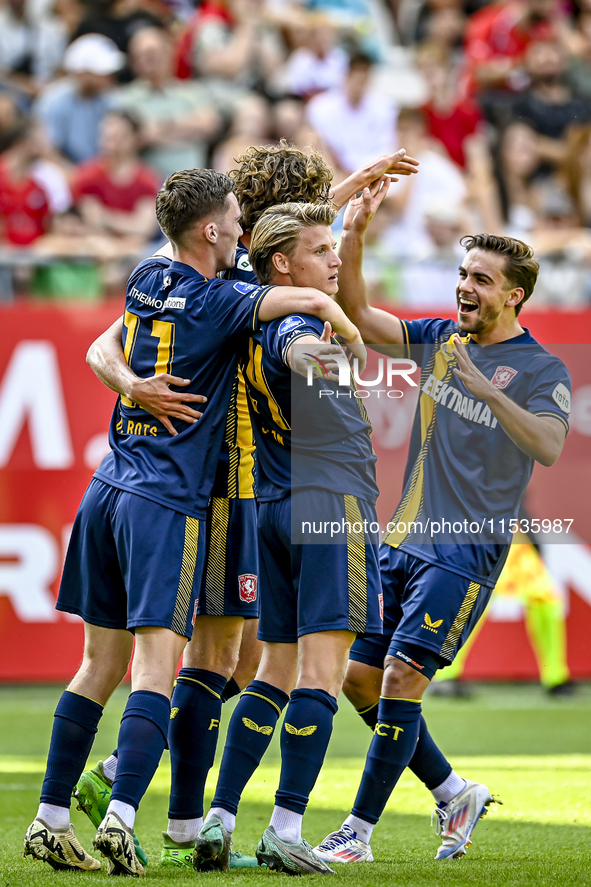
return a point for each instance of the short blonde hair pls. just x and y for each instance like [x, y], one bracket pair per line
[278, 231]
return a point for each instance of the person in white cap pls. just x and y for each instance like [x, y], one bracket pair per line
[72, 108]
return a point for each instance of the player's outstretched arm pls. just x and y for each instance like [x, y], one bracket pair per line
[282, 300]
[107, 360]
[540, 437]
[392, 165]
[376, 326]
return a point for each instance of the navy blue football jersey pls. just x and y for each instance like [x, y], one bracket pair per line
[180, 322]
[304, 439]
[465, 478]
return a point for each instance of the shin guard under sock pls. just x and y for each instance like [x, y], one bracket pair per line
[196, 709]
[142, 739]
[306, 732]
[75, 724]
[392, 747]
[249, 734]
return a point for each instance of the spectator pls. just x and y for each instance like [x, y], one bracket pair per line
[450, 117]
[440, 181]
[497, 37]
[355, 123]
[252, 125]
[32, 189]
[233, 45]
[31, 48]
[72, 108]
[115, 193]
[319, 65]
[178, 118]
[120, 19]
[548, 105]
[576, 171]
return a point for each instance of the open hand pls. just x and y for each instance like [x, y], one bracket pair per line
[155, 396]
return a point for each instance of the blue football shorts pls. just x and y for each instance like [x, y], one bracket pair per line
[427, 610]
[306, 588]
[231, 581]
[132, 562]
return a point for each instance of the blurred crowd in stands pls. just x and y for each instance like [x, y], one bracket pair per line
[100, 100]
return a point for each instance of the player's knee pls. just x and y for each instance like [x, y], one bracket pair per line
[400, 679]
[358, 689]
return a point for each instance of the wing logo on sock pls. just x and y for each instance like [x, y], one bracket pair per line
[265, 729]
[303, 731]
[173, 713]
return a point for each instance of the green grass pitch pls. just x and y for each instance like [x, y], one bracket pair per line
[533, 752]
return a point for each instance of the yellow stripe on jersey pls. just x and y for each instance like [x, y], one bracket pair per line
[164, 331]
[256, 376]
[245, 442]
[448, 648]
[356, 567]
[215, 575]
[132, 325]
[440, 365]
[185, 589]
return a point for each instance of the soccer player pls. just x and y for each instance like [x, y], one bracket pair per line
[135, 562]
[265, 176]
[315, 460]
[493, 401]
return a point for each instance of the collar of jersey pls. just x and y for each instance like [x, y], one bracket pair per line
[186, 270]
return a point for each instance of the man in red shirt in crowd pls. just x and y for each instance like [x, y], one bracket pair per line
[115, 192]
[497, 37]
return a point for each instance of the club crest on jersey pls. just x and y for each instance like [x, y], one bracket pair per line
[247, 587]
[381, 603]
[290, 323]
[503, 376]
[244, 288]
[195, 606]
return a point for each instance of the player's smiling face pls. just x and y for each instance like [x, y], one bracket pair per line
[314, 261]
[483, 294]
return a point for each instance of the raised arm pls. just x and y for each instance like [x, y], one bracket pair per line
[394, 165]
[376, 326]
[107, 360]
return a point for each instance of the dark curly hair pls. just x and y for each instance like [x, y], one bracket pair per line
[276, 174]
[521, 269]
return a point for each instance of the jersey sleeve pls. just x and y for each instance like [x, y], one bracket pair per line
[551, 392]
[427, 330]
[283, 332]
[242, 269]
[234, 306]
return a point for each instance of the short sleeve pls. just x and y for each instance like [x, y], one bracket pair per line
[427, 331]
[550, 394]
[282, 333]
[234, 306]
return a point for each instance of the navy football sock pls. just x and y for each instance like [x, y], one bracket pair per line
[369, 715]
[196, 709]
[231, 689]
[304, 739]
[429, 763]
[75, 723]
[392, 747]
[249, 734]
[142, 739]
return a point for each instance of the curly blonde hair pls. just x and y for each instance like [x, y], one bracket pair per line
[274, 174]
